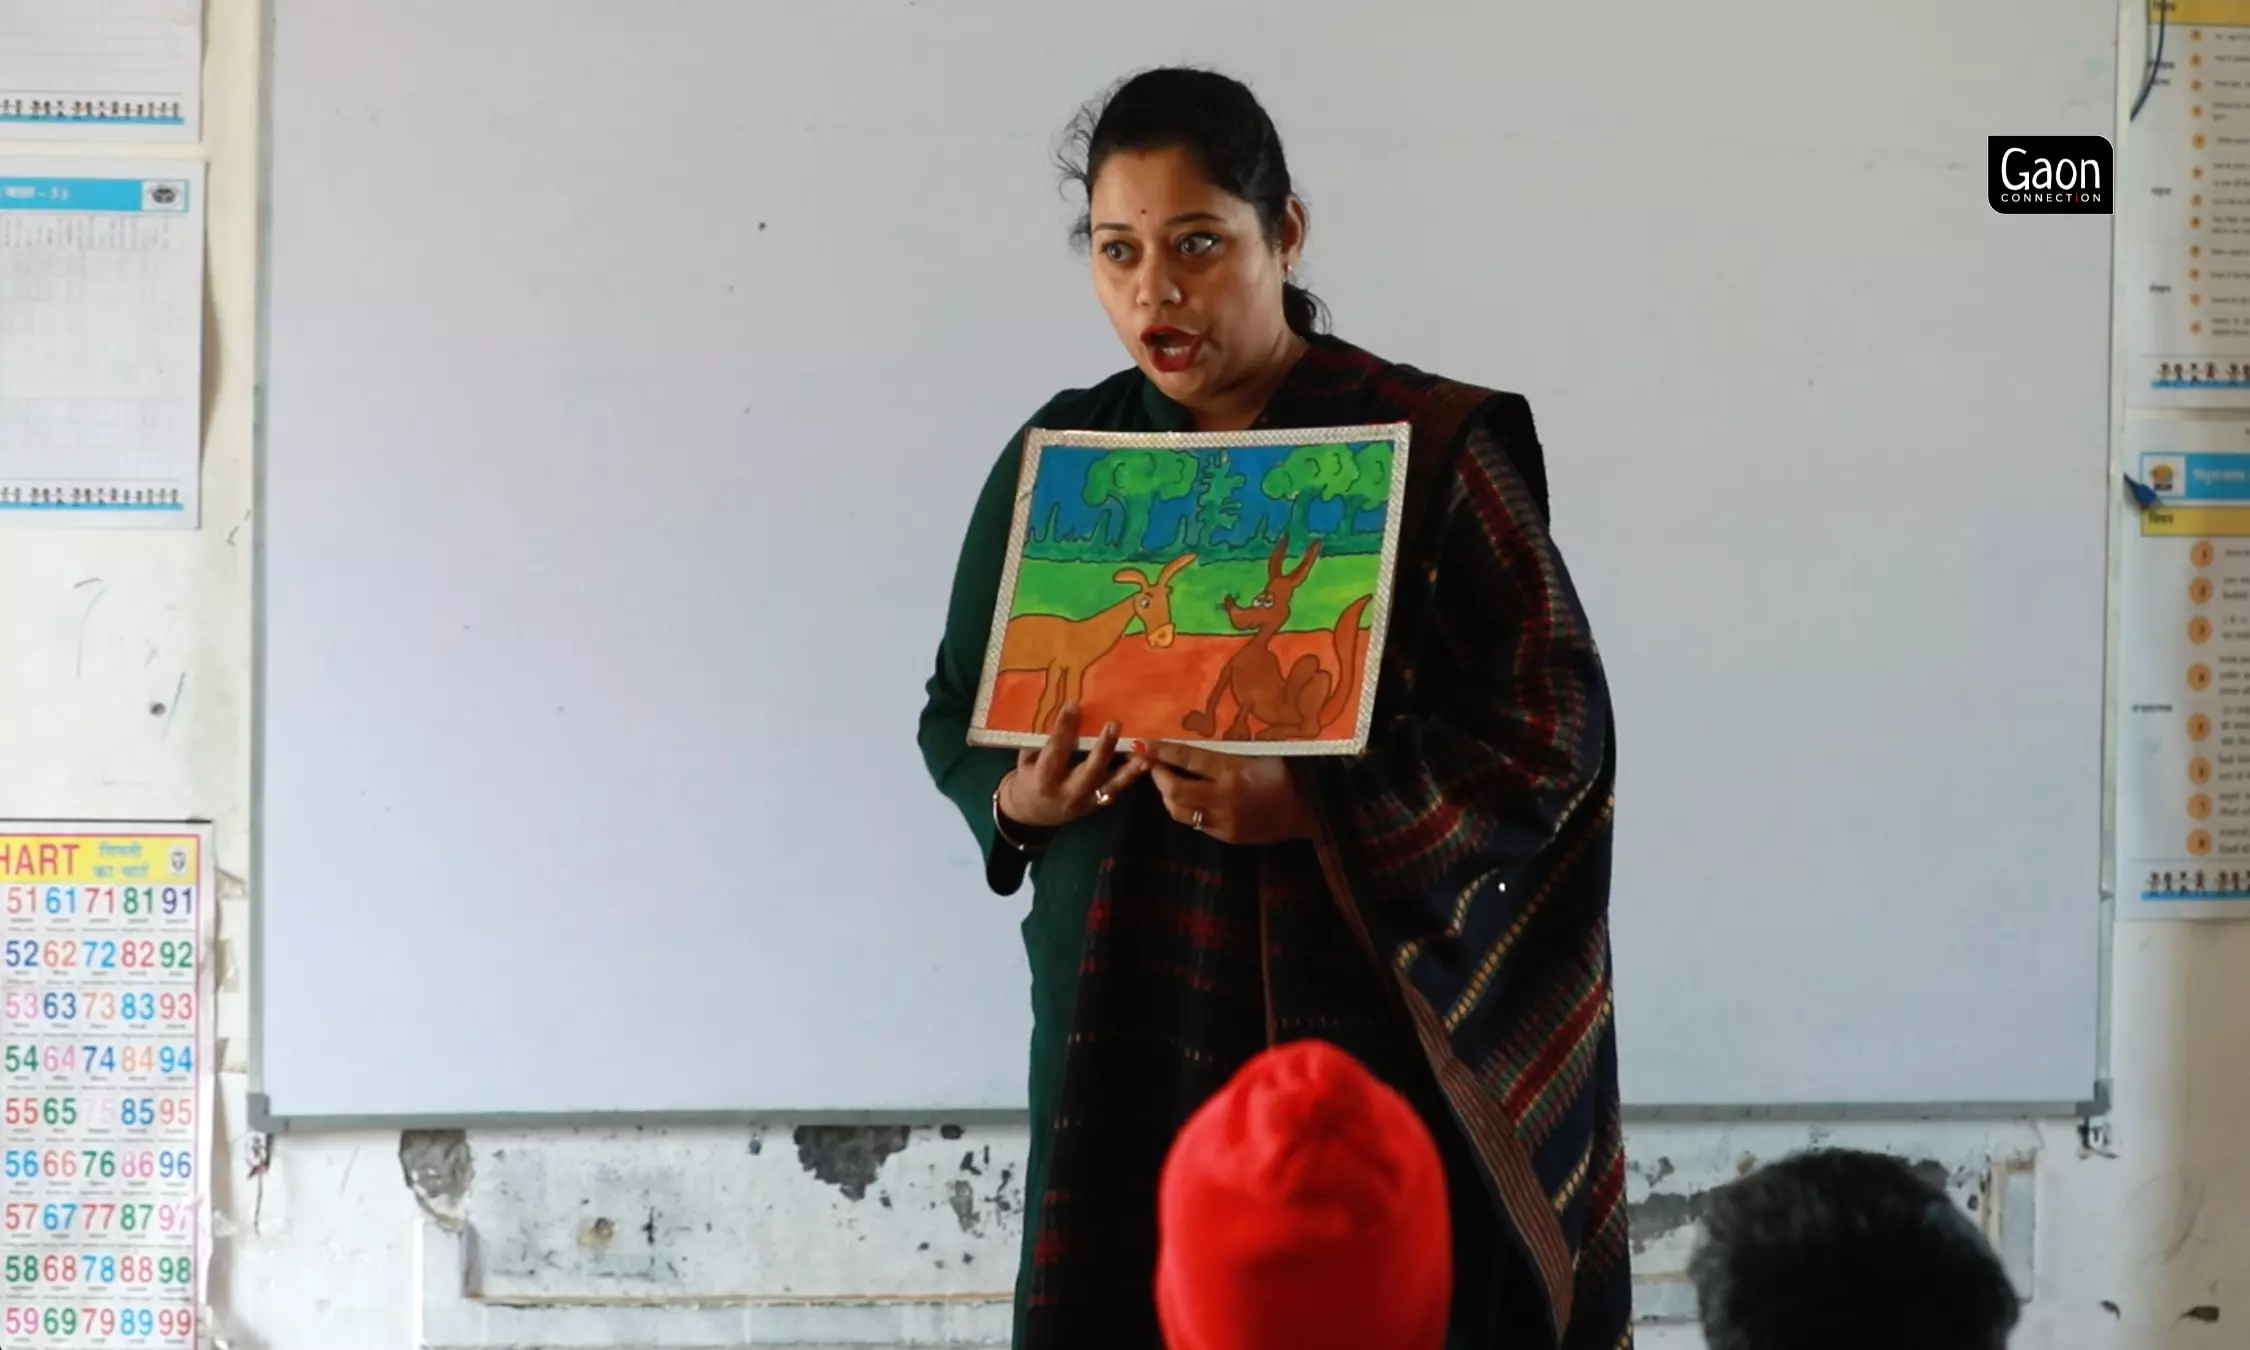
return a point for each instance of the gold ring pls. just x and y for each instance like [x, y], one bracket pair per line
[1102, 797]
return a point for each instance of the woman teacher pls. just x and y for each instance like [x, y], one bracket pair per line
[1438, 906]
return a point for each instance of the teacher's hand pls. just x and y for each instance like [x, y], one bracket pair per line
[1236, 799]
[1045, 790]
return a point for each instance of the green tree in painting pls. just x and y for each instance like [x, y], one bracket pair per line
[1311, 473]
[1371, 484]
[1217, 509]
[1134, 481]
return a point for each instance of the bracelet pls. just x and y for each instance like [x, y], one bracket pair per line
[1000, 828]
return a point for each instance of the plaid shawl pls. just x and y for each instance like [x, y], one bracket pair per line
[1449, 926]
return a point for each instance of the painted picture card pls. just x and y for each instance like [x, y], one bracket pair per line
[1222, 589]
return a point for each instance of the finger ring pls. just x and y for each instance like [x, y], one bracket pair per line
[1195, 822]
[1102, 797]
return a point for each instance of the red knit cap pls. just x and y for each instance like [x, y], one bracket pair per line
[1304, 1208]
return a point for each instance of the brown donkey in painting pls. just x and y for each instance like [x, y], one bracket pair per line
[1300, 704]
[1062, 649]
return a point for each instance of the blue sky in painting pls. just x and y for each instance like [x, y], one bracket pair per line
[1058, 498]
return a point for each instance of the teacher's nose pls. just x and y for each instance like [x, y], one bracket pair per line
[1155, 286]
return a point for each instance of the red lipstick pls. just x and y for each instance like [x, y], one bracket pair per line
[1170, 349]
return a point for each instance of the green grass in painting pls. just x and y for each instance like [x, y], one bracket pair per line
[1080, 589]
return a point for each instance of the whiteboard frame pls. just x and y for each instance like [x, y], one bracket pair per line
[2090, 1112]
[264, 1121]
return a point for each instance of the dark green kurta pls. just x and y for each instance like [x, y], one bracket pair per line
[1064, 876]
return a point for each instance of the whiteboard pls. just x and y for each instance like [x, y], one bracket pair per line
[612, 348]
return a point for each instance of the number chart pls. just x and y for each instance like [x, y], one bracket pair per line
[104, 1062]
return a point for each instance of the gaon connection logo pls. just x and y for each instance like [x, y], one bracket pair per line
[2049, 175]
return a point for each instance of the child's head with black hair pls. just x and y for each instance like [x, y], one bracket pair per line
[1845, 1250]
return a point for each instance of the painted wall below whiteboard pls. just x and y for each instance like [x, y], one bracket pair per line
[352, 1242]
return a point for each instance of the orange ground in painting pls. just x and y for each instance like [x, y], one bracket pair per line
[1148, 690]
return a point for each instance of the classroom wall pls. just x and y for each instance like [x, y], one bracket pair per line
[125, 691]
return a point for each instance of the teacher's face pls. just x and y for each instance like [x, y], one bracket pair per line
[1188, 278]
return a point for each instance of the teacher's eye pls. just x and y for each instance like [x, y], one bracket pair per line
[1196, 244]
[1118, 251]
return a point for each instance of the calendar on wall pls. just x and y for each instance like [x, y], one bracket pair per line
[105, 1061]
[101, 280]
[105, 70]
